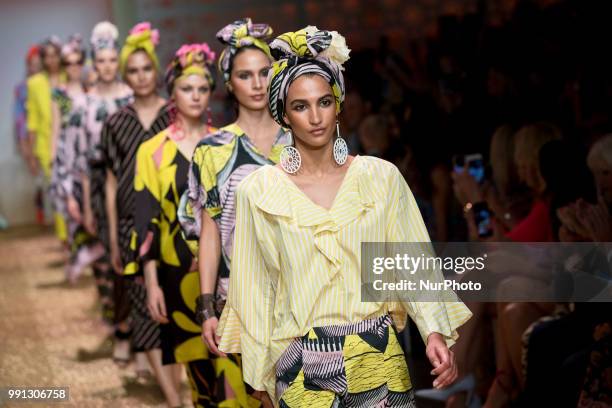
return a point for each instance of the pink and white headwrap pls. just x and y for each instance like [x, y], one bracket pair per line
[190, 59]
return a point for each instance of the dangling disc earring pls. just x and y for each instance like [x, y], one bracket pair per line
[290, 159]
[340, 147]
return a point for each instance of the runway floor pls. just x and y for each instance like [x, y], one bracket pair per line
[50, 331]
[51, 334]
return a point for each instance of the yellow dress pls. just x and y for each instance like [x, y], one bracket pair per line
[296, 265]
[39, 121]
[160, 180]
[39, 118]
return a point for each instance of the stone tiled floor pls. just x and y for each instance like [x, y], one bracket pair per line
[49, 332]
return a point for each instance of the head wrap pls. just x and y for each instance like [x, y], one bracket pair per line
[241, 33]
[307, 51]
[141, 37]
[74, 45]
[190, 59]
[53, 41]
[104, 36]
[32, 52]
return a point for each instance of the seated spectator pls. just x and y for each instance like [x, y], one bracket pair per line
[355, 108]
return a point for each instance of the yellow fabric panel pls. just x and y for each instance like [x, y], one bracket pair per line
[39, 118]
[362, 364]
[131, 268]
[168, 252]
[190, 289]
[166, 177]
[185, 323]
[395, 362]
[191, 350]
[232, 374]
[38, 86]
[157, 174]
[299, 397]
[61, 229]
[146, 168]
[210, 161]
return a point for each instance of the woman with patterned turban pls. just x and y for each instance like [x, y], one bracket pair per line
[294, 308]
[220, 162]
[122, 133]
[162, 166]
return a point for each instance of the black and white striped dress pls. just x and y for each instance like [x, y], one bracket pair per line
[122, 134]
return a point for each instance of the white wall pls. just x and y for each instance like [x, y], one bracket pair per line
[23, 23]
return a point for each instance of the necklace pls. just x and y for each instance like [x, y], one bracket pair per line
[177, 134]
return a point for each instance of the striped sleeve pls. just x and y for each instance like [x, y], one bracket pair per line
[108, 147]
[247, 321]
[405, 224]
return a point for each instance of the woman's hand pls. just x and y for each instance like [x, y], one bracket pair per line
[33, 166]
[209, 335]
[596, 220]
[89, 221]
[442, 359]
[568, 216]
[499, 233]
[466, 187]
[266, 401]
[156, 304]
[115, 258]
[74, 209]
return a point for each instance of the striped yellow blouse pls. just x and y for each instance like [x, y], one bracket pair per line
[296, 265]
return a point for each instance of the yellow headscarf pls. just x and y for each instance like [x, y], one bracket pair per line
[141, 37]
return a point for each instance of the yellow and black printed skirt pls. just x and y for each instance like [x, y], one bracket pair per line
[356, 365]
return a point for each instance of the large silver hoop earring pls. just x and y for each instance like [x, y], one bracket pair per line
[340, 147]
[290, 159]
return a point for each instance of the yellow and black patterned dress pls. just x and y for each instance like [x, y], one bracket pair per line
[160, 180]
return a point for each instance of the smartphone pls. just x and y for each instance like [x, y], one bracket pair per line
[475, 165]
[482, 218]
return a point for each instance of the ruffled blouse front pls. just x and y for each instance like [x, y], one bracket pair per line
[297, 265]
